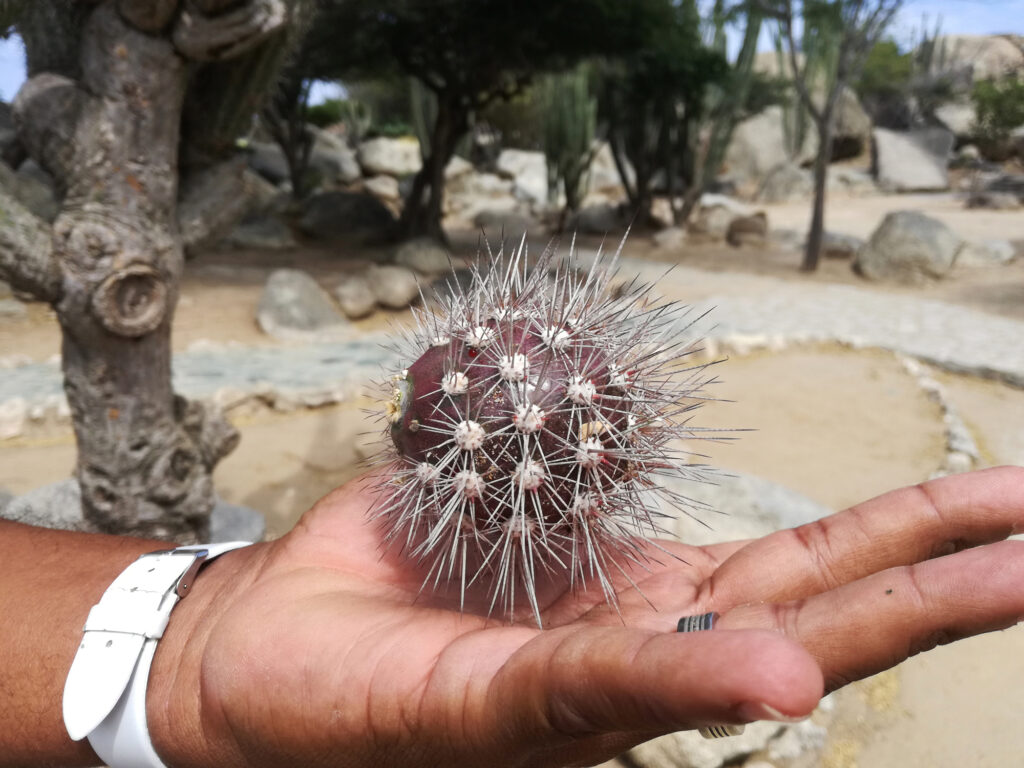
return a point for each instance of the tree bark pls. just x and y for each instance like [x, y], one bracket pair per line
[114, 262]
[816, 233]
[424, 205]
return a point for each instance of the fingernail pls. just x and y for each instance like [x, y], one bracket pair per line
[758, 710]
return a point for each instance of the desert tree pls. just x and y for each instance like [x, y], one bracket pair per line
[134, 106]
[468, 54]
[652, 96]
[839, 35]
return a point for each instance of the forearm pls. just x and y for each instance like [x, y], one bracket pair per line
[48, 582]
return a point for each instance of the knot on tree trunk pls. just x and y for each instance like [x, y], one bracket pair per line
[132, 301]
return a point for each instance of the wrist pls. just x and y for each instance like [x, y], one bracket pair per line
[179, 717]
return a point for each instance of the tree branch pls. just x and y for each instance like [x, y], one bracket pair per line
[27, 261]
[202, 37]
[46, 111]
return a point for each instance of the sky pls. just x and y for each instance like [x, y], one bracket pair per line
[964, 17]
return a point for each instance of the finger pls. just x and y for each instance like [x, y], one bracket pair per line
[875, 623]
[897, 528]
[564, 686]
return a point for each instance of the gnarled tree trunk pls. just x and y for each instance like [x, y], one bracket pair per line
[109, 129]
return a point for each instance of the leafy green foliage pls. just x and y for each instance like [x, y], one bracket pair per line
[999, 108]
[329, 112]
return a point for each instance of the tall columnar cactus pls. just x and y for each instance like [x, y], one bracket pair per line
[570, 123]
[531, 426]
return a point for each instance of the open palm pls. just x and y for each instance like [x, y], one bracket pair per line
[318, 650]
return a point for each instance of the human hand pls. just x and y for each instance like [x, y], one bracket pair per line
[314, 649]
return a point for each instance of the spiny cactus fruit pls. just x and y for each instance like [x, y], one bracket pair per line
[532, 426]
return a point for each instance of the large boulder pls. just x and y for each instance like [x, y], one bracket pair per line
[908, 247]
[959, 117]
[293, 307]
[469, 193]
[912, 161]
[981, 56]
[267, 159]
[528, 172]
[748, 230]
[339, 214]
[759, 144]
[851, 134]
[59, 505]
[392, 157]
[261, 233]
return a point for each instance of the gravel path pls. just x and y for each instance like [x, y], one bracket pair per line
[746, 312]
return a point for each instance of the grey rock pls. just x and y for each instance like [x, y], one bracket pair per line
[912, 161]
[1010, 183]
[355, 296]
[852, 126]
[262, 196]
[759, 144]
[747, 230]
[456, 167]
[716, 212]
[5, 498]
[383, 187]
[993, 201]
[267, 159]
[266, 233]
[851, 181]
[424, 255]
[392, 157]
[739, 506]
[394, 287]
[528, 172]
[33, 188]
[294, 307]
[839, 246]
[786, 182]
[12, 309]
[338, 214]
[505, 225]
[988, 253]
[982, 56]
[908, 247]
[59, 505]
[469, 193]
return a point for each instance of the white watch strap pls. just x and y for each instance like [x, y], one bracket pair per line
[105, 693]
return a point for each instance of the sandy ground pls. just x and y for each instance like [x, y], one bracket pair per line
[835, 424]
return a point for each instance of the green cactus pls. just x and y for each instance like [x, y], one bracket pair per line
[570, 122]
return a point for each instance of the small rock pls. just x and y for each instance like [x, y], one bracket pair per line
[383, 187]
[12, 309]
[355, 296]
[392, 157]
[424, 255]
[908, 247]
[838, 246]
[988, 253]
[994, 201]
[13, 414]
[456, 167]
[294, 307]
[394, 287]
[747, 230]
[671, 239]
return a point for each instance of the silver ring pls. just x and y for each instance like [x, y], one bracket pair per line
[702, 623]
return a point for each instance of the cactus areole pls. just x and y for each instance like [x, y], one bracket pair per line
[531, 425]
